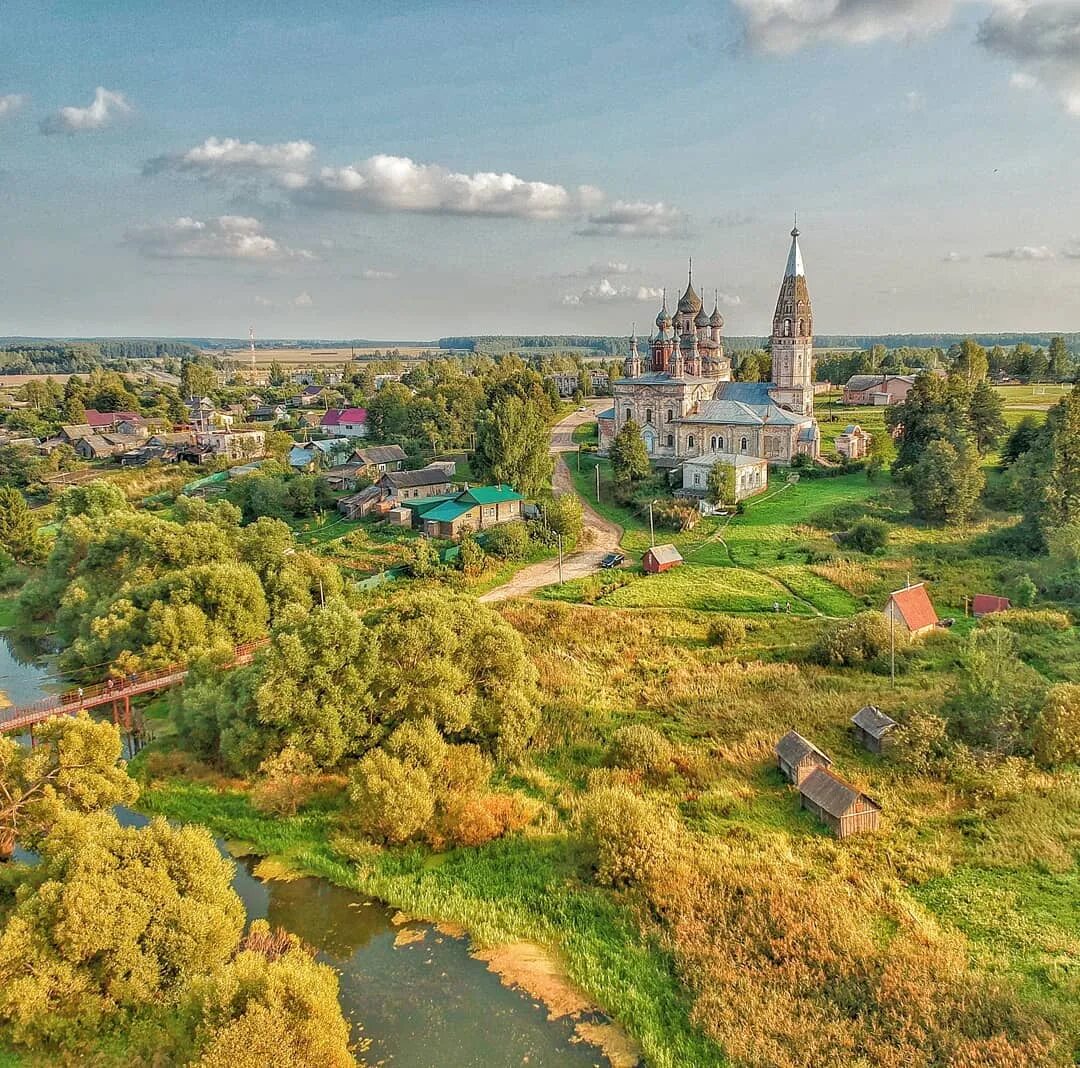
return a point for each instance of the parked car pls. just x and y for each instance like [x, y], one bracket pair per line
[947, 622]
[612, 560]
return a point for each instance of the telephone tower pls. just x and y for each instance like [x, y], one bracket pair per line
[251, 342]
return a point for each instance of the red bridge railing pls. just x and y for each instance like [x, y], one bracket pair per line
[111, 692]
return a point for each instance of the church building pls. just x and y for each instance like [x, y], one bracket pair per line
[685, 403]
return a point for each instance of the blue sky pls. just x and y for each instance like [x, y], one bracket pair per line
[405, 170]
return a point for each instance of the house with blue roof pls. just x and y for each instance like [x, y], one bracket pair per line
[685, 404]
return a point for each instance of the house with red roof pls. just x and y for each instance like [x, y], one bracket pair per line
[346, 422]
[116, 422]
[912, 609]
[986, 603]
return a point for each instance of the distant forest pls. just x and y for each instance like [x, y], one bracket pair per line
[28, 357]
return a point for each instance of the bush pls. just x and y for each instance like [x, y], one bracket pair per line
[636, 840]
[1028, 620]
[285, 782]
[858, 640]
[1057, 730]
[474, 819]
[508, 541]
[726, 632]
[921, 742]
[1023, 591]
[867, 535]
[641, 748]
[394, 800]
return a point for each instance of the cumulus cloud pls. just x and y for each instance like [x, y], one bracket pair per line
[398, 184]
[226, 237]
[635, 219]
[373, 274]
[784, 26]
[107, 105]
[605, 291]
[1043, 40]
[1022, 253]
[218, 156]
[10, 104]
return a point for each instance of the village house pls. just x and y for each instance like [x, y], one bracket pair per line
[234, 444]
[102, 446]
[269, 413]
[853, 443]
[872, 729]
[73, 432]
[839, 805]
[473, 509]
[378, 459]
[661, 558]
[318, 454]
[319, 396]
[430, 481]
[986, 604]
[751, 473]
[911, 609]
[796, 757]
[116, 422]
[877, 390]
[348, 422]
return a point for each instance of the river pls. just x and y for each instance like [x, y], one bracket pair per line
[413, 1002]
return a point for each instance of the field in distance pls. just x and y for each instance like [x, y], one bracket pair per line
[320, 357]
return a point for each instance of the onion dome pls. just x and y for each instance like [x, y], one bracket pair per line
[716, 319]
[702, 319]
[663, 317]
[690, 302]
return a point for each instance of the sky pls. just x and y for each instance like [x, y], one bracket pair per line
[407, 170]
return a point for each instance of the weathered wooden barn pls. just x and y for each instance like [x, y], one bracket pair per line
[873, 728]
[796, 757]
[839, 805]
[661, 558]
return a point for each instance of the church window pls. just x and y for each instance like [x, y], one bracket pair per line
[648, 415]
[697, 480]
[690, 442]
[628, 415]
[787, 328]
[802, 328]
[721, 440]
[712, 442]
[671, 441]
[742, 445]
[670, 413]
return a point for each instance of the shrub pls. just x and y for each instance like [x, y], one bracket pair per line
[641, 748]
[472, 560]
[635, 839]
[473, 819]
[1028, 620]
[858, 640]
[1023, 591]
[508, 541]
[285, 782]
[726, 632]
[394, 800]
[1057, 730]
[867, 535]
[922, 743]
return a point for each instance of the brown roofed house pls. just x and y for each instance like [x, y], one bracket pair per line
[986, 604]
[912, 609]
[840, 806]
[872, 728]
[796, 757]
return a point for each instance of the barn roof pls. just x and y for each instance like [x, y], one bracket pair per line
[872, 720]
[380, 454]
[830, 793]
[793, 747]
[665, 554]
[915, 607]
[426, 476]
[985, 603]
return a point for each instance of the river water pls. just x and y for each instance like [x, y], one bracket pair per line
[415, 1004]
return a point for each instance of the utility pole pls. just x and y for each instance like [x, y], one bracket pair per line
[892, 645]
[597, 469]
[652, 532]
[560, 559]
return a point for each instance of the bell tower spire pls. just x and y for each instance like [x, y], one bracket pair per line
[793, 336]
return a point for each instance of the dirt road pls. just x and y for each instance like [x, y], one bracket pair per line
[604, 537]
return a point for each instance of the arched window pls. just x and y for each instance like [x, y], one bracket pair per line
[670, 413]
[712, 442]
[628, 415]
[742, 445]
[671, 441]
[648, 415]
[721, 441]
[690, 442]
[802, 328]
[787, 328]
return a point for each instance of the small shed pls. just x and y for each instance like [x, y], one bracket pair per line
[796, 757]
[986, 604]
[872, 728]
[912, 609]
[844, 809]
[661, 558]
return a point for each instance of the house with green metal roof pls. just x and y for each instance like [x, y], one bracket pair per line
[474, 509]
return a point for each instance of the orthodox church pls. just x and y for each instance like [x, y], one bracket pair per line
[685, 402]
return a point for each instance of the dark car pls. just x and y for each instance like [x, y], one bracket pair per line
[612, 560]
[947, 622]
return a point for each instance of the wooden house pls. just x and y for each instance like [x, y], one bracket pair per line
[912, 609]
[796, 757]
[839, 805]
[475, 509]
[661, 558]
[986, 604]
[873, 728]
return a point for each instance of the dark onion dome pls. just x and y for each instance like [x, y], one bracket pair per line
[690, 303]
[663, 316]
[702, 318]
[716, 319]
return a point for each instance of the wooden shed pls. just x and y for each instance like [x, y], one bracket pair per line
[796, 757]
[661, 558]
[839, 805]
[872, 728]
[986, 604]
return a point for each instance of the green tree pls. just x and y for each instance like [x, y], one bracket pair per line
[947, 481]
[74, 765]
[985, 416]
[629, 459]
[197, 378]
[971, 362]
[1023, 437]
[1059, 359]
[276, 373]
[720, 483]
[1057, 731]
[92, 499]
[18, 528]
[513, 446]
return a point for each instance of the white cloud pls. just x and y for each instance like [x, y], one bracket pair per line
[397, 184]
[218, 156]
[954, 257]
[373, 274]
[302, 300]
[914, 100]
[595, 270]
[729, 300]
[784, 26]
[1023, 253]
[226, 237]
[107, 105]
[606, 291]
[10, 104]
[635, 219]
[1043, 40]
